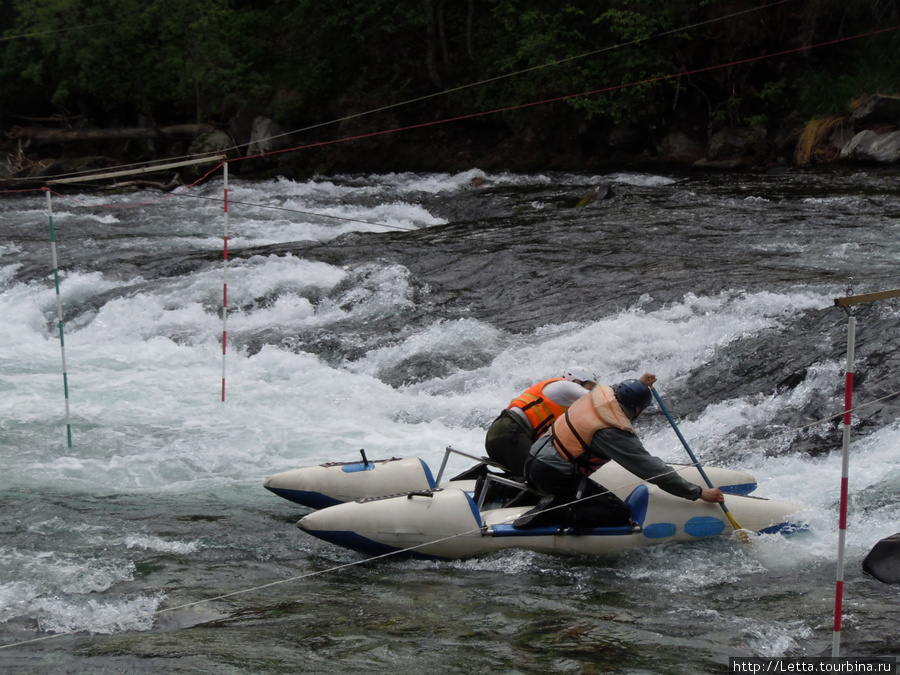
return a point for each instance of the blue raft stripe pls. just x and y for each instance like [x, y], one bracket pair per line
[660, 530]
[704, 526]
[475, 513]
[314, 500]
[508, 530]
[743, 489]
[428, 475]
[637, 502]
[358, 466]
[784, 528]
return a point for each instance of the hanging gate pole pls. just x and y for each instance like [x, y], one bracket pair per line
[225, 279]
[59, 314]
[845, 460]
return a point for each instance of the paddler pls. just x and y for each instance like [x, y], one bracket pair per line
[596, 429]
[530, 414]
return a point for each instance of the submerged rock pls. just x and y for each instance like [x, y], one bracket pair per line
[599, 193]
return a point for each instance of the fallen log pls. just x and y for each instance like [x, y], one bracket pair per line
[43, 136]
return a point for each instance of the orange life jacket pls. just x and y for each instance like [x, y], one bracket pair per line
[572, 433]
[540, 412]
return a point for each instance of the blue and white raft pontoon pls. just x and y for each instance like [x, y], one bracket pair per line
[396, 506]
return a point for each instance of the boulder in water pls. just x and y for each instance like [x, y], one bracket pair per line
[869, 146]
[883, 561]
[599, 193]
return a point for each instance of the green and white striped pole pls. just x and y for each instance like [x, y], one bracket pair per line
[62, 341]
[225, 278]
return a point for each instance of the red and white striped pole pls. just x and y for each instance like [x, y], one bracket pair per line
[845, 483]
[225, 280]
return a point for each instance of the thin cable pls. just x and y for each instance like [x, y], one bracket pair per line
[603, 90]
[522, 106]
[481, 82]
[523, 71]
[408, 549]
[335, 568]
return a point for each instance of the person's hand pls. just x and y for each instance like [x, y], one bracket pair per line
[648, 379]
[712, 495]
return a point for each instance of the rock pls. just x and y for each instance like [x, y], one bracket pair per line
[840, 137]
[212, 142]
[265, 136]
[734, 143]
[626, 136]
[599, 193]
[876, 110]
[718, 165]
[883, 561]
[868, 146]
[677, 146]
[8, 168]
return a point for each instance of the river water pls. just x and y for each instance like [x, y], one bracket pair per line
[399, 313]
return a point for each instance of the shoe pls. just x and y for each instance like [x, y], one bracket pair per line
[527, 519]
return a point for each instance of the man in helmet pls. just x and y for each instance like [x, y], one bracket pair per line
[511, 435]
[593, 431]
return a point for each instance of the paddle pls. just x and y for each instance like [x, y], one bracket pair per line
[743, 534]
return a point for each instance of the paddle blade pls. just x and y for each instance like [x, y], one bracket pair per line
[744, 536]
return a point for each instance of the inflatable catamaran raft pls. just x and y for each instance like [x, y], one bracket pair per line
[397, 506]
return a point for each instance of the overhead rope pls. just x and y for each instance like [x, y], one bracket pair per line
[523, 71]
[567, 97]
[87, 176]
[403, 551]
[557, 99]
[479, 83]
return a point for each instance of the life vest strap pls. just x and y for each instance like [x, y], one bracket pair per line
[578, 460]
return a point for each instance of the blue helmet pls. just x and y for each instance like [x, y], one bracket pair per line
[634, 394]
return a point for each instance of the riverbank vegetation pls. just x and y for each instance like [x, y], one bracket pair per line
[572, 79]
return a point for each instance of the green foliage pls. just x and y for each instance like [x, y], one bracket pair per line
[161, 56]
[869, 68]
[308, 61]
[631, 73]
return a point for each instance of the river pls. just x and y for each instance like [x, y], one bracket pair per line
[399, 313]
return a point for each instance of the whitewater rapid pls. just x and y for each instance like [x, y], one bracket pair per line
[337, 341]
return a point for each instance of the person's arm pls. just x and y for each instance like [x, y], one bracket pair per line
[627, 450]
[564, 393]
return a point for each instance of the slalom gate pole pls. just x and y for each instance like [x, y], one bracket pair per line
[59, 314]
[846, 302]
[225, 277]
[845, 483]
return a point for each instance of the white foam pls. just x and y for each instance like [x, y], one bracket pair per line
[56, 615]
[145, 370]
